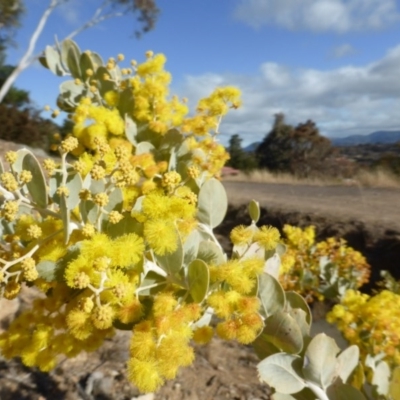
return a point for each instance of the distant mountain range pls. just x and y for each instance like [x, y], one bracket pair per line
[385, 137]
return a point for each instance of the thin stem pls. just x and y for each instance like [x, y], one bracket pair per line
[209, 231]
[26, 59]
[320, 393]
[8, 264]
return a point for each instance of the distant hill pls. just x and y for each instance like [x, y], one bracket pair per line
[251, 147]
[385, 137]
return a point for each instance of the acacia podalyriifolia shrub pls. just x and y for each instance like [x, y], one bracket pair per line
[121, 237]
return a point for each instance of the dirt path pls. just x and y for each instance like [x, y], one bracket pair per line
[374, 206]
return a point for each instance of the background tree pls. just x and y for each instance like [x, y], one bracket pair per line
[310, 150]
[240, 159]
[26, 126]
[274, 152]
[300, 151]
[10, 14]
[15, 97]
[148, 13]
[389, 161]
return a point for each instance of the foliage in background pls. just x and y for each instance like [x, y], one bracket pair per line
[239, 158]
[20, 121]
[25, 126]
[15, 97]
[371, 322]
[300, 151]
[320, 270]
[147, 9]
[389, 162]
[10, 14]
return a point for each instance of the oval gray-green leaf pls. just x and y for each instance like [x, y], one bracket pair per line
[74, 185]
[381, 378]
[280, 249]
[144, 148]
[191, 247]
[344, 392]
[273, 265]
[283, 332]
[198, 280]
[66, 45]
[130, 129]
[47, 270]
[271, 294]
[212, 203]
[37, 186]
[321, 360]
[263, 347]
[394, 387]
[347, 361]
[53, 61]
[172, 139]
[116, 73]
[181, 169]
[138, 204]
[172, 160]
[105, 85]
[184, 149]
[70, 53]
[21, 153]
[152, 284]
[115, 200]
[254, 211]
[172, 263]
[97, 186]
[85, 63]
[125, 226]
[89, 211]
[204, 320]
[282, 372]
[72, 92]
[294, 300]
[43, 62]
[210, 253]
[300, 317]
[96, 59]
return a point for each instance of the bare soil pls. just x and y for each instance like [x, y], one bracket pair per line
[368, 218]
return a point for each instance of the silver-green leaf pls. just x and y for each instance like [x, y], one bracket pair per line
[282, 372]
[37, 186]
[198, 280]
[320, 367]
[212, 203]
[271, 294]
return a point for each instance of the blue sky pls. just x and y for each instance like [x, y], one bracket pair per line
[336, 62]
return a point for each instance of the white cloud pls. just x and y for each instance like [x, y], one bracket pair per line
[319, 15]
[342, 101]
[342, 50]
[69, 11]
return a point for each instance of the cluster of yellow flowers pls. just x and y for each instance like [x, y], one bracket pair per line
[266, 237]
[371, 322]
[141, 93]
[55, 325]
[303, 262]
[101, 233]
